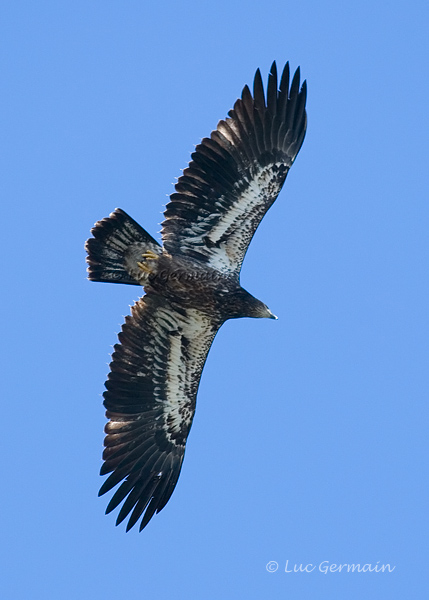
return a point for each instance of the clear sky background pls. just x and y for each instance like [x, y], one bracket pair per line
[309, 442]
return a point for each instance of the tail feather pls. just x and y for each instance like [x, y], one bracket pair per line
[115, 249]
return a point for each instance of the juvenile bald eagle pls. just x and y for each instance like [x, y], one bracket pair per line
[192, 286]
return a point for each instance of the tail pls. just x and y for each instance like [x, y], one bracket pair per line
[116, 248]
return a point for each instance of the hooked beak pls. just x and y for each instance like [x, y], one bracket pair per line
[271, 315]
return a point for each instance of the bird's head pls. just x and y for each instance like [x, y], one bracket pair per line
[243, 304]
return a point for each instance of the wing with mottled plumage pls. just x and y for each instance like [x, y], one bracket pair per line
[236, 174]
[150, 402]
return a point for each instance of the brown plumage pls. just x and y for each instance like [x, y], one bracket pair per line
[191, 286]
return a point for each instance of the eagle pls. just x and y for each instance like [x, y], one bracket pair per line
[191, 287]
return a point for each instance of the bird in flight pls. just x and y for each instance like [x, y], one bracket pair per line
[191, 285]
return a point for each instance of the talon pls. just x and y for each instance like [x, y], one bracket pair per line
[149, 255]
[143, 267]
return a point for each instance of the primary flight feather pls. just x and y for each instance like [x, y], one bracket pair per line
[191, 286]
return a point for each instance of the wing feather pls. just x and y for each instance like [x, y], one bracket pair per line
[236, 174]
[150, 402]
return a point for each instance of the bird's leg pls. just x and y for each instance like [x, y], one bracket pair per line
[148, 255]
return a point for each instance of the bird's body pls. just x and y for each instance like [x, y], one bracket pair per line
[191, 286]
[195, 286]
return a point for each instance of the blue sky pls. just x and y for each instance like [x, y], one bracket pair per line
[310, 435]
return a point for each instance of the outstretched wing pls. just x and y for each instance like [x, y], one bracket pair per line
[236, 174]
[150, 402]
